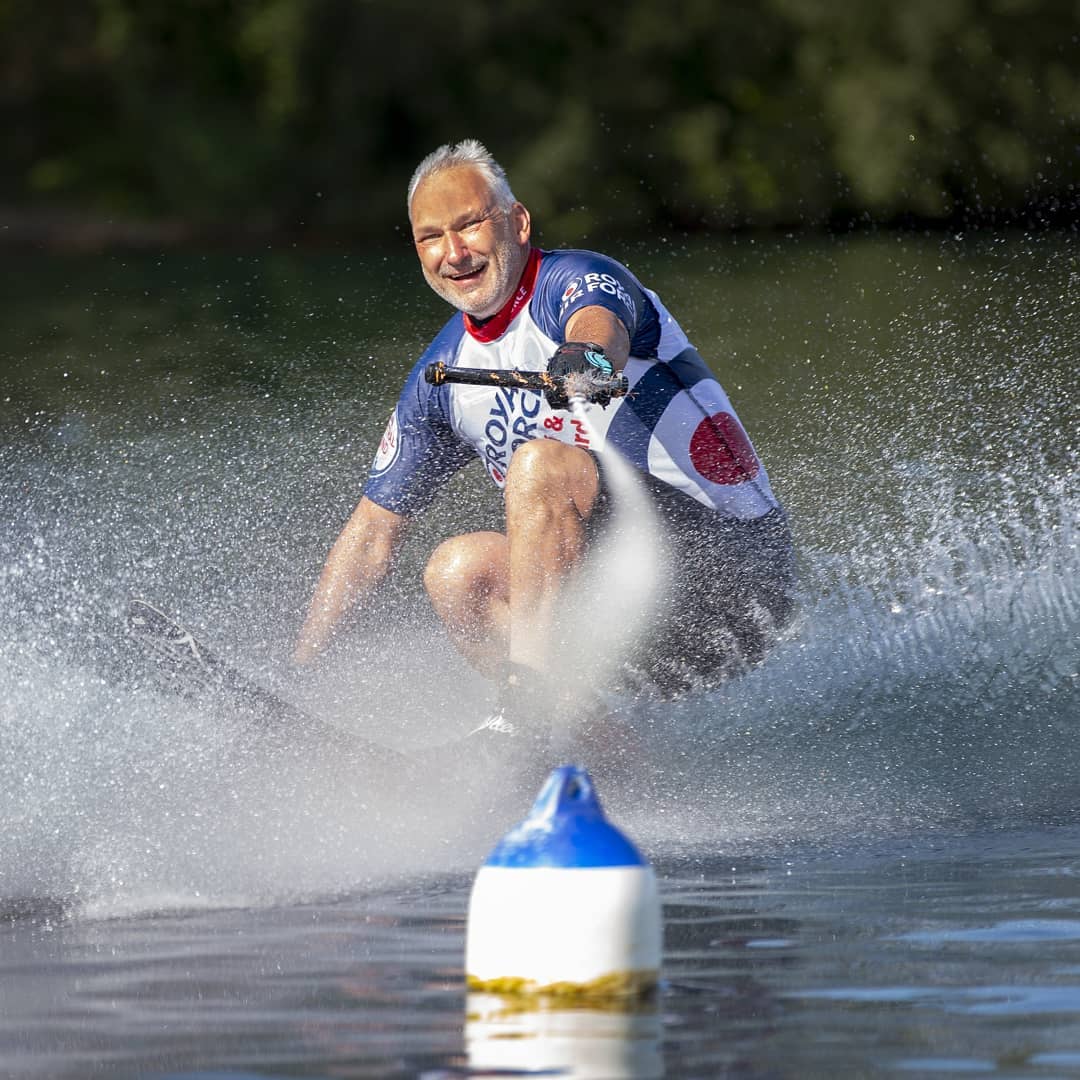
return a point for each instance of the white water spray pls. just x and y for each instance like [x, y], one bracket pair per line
[614, 596]
[933, 674]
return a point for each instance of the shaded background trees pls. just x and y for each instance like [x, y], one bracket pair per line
[306, 117]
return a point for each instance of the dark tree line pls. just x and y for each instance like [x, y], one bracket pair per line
[240, 117]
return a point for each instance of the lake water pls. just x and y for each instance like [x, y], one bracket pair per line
[868, 849]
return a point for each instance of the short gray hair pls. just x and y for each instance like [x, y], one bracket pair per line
[468, 152]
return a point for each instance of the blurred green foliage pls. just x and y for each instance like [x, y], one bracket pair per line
[307, 116]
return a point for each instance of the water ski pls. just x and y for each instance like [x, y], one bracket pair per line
[185, 666]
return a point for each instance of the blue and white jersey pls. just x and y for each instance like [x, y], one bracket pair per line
[676, 423]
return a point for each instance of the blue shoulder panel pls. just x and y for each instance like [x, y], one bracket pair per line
[571, 280]
[420, 451]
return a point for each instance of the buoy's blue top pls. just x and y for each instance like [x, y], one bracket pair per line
[566, 828]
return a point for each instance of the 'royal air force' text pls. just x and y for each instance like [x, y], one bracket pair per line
[594, 282]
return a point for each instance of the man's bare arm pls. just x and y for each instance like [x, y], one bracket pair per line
[600, 326]
[360, 558]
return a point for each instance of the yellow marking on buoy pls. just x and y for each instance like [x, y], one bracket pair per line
[614, 987]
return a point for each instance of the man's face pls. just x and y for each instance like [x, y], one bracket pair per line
[471, 252]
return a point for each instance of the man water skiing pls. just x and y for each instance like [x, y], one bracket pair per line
[567, 312]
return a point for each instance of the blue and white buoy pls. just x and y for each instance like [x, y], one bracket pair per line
[565, 905]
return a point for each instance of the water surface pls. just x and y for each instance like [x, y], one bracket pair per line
[866, 847]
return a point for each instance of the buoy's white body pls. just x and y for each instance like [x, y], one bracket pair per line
[546, 925]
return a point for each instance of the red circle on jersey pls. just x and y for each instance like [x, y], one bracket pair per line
[721, 452]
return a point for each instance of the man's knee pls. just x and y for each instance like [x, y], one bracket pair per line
[534, 462]
[457, 565]
[440, 566]
[544, 468]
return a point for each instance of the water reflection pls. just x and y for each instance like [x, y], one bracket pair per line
[501, 1033]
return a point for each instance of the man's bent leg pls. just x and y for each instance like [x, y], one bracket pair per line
[468, 581]
[551, 488]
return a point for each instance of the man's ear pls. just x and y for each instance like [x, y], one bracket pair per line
[522, 222]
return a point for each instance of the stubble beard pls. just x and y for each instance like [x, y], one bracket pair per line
[504, 270]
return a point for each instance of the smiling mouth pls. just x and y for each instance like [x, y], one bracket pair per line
[469, 275]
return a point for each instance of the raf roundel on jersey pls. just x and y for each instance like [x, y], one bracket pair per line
[389, 446]
[571, 293]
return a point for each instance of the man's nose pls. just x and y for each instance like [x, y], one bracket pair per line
[456, 248]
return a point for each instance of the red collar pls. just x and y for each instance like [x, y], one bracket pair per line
[496, 326]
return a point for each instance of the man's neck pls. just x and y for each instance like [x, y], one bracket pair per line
[494, 325]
